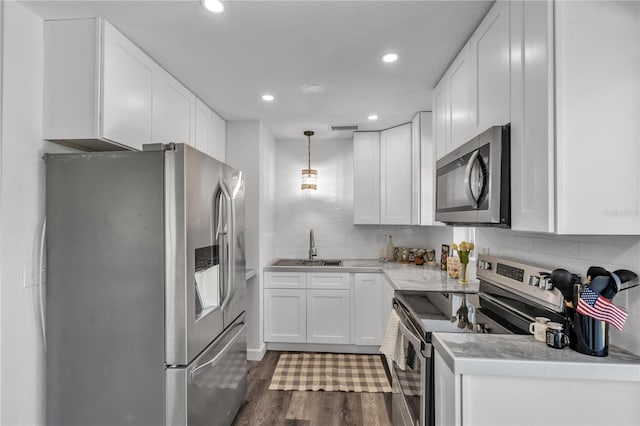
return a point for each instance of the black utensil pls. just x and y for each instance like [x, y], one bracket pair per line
[563, 281]
[597, 271]
[600, 283]
[627, 279]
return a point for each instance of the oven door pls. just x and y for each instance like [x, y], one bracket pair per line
[409, 397]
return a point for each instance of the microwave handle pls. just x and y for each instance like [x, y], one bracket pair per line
[467, 178]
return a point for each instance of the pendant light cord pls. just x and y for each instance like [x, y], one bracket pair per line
[309, 149]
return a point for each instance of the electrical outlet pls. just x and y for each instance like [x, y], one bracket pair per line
[28, 274]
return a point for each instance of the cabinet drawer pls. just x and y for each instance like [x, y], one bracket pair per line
[285, 280]
[329, 280]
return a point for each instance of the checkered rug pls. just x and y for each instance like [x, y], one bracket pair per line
[330, 372]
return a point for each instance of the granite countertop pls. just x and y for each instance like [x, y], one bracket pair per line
[523, 356]
[401, 276]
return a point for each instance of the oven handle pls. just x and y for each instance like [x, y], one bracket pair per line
[507, 307]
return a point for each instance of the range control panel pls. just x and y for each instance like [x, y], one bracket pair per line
[519, 278]
[512, 272]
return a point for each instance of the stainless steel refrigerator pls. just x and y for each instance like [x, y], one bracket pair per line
[145, 314]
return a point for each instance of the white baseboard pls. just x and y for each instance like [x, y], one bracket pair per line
[323, 347]
[256, 354]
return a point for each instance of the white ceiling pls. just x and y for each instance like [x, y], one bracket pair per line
[229, 60]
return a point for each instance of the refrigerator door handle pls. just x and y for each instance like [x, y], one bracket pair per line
[215, 360]
[221, 235]
[228, 239]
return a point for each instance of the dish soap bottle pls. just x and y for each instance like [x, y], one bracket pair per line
[389, 252]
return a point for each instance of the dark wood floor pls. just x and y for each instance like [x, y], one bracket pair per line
[269, 407]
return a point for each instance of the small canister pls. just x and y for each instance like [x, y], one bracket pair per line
[555, 337]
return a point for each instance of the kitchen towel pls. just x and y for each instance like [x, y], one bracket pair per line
[393, 345]
[330, 372]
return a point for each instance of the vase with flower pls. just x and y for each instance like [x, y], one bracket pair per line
[464, 248]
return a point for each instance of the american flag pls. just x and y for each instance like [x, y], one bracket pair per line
[593, 305]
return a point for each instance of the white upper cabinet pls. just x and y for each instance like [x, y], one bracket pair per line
[473, 94]
[489, 50]
[102, 93]
[98, 86]
[423, 135]
[203, 126]
[174, 110]
[532, 117]
[366, 178]
[397, 177]
[441, 118]
[574, 138]
[460, 82]
[597, 114]
[218, 143]
[210, 134]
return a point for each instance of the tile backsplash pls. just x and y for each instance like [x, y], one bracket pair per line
[576, 253]
[329, 210]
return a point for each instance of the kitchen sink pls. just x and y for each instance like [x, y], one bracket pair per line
[307, 262]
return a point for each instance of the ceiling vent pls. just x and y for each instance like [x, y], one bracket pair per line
[339, 128]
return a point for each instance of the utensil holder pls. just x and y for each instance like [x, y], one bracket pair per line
[589, 336]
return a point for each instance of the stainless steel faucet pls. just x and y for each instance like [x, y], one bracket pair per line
[312, 246]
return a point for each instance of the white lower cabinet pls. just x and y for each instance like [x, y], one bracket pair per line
[446, 404]
[369, 315]
[497, 398]
[285, 313]
[326, 308]
[328, 316]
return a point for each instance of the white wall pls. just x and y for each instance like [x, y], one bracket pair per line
[250, 148]
[576, 254]
[22, 200]
[329, 209]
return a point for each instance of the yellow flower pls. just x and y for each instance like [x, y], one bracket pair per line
[471, 246]
[463, 246]
[454, 246]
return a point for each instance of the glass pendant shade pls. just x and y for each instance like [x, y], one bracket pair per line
[309, 175]
[309, 179]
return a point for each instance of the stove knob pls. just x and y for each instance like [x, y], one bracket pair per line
[481, 328]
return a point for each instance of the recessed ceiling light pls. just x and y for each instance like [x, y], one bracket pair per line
[373, 117]
[390, 57]
[267, 98]
[214, 6]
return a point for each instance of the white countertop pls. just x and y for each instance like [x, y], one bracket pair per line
[401, 276]
[523, 356]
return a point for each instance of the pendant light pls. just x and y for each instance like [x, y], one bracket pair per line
[309, 175]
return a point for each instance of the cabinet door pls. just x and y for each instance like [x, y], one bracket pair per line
[441, 117]
[369, 309]
[427, 192]
[490, 54]
[203, 127]
[329, 280]
[597, 105]
[285, 315]
[127, 91]
[218, 141]
[366, 178]
[174, 110]
[532, 117]
[285, 280]
[447, 394]
[396, 176]
[460, 85]
[328, 316]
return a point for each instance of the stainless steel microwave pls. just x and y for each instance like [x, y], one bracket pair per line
[473, 182]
